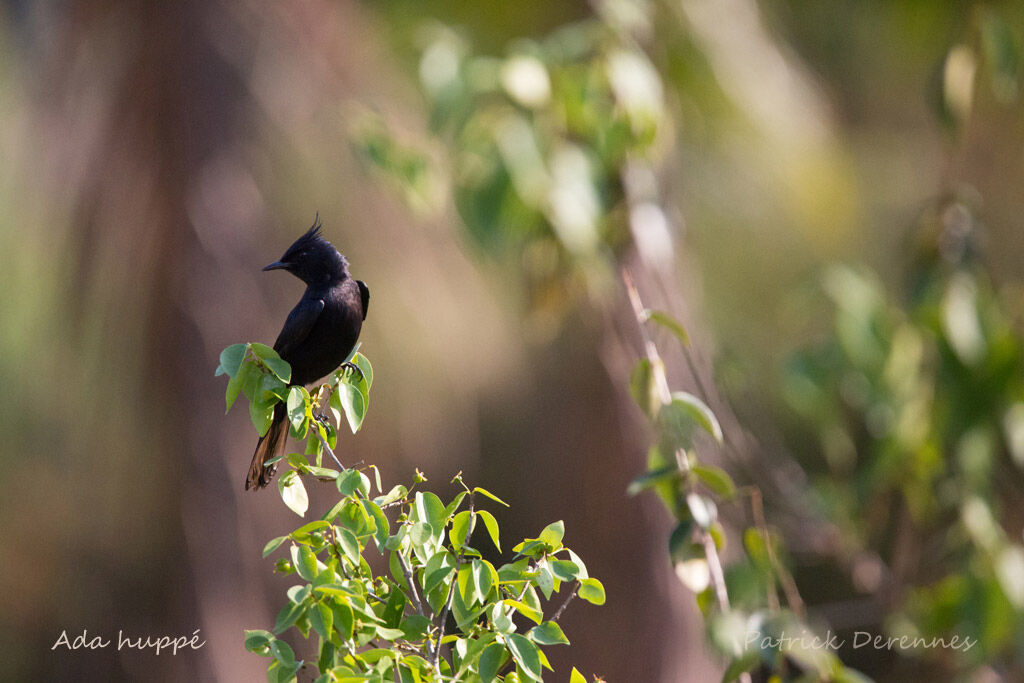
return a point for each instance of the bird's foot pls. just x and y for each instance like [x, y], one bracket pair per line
[355, 368]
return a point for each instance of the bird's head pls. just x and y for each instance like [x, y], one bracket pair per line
[312, 259]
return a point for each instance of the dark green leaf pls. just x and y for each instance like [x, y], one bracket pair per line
[653, 478]
[321, 618]
[289, 615]
[491, 660]
[231, 358]
[680, 540]
[256, 639]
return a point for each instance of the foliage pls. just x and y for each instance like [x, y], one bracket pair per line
[441, 611]
[689, 489]
[919, 409]
[553, 156]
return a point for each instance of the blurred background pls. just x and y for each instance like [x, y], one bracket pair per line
[488, 173]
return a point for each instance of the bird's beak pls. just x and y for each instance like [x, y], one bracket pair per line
[276, 265]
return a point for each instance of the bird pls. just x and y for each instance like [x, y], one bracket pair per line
[318, 335]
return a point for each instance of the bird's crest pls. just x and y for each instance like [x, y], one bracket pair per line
[310, 239]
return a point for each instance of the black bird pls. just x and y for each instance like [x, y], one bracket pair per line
[319, 333]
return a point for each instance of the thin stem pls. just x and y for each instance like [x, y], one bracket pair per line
[793, 598]
[451, 588]
[565, 603]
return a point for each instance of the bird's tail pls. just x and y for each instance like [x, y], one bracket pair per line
[269, 444]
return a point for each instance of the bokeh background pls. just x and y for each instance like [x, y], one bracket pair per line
[488, 171]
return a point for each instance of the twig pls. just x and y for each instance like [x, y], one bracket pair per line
[324, 395]
[407, 573]
[793, 599]
[565, 603]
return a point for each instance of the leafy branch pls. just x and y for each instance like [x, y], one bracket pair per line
[442, 612]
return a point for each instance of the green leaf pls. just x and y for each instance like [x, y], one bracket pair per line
[581, 569]
[526, 655]
[679, 542]
[395, 494]
[451, 507]
[576, 677]
[273, 545]
[545, 579]
[492, 527]
[534, 615]
[353, 402]
[653, 478]
[348, 544]
[280, 368]
[431, 510]
[484, 577]
[592, 591]
[282, 652]
[303, 532]
[491, 660]
[548, 633]
[261, 415]
[305, 562]
[415, 627]
[644, 388]
[552, 534]
[235, 385]
[670, 324]
[256, 639]
[380, 520]
[376, 478]
[564, 570]
[288, 615]
[353, 480]
[716, 479]
[296, 405]
[438, 569]
[321, 618]
[231, 358]
[344, 619]
[688, 405]
[293, 493]
[363, 363]
[490, 495]
[461, 528]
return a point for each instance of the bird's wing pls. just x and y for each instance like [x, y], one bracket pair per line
[300, 321]
[364, 294]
